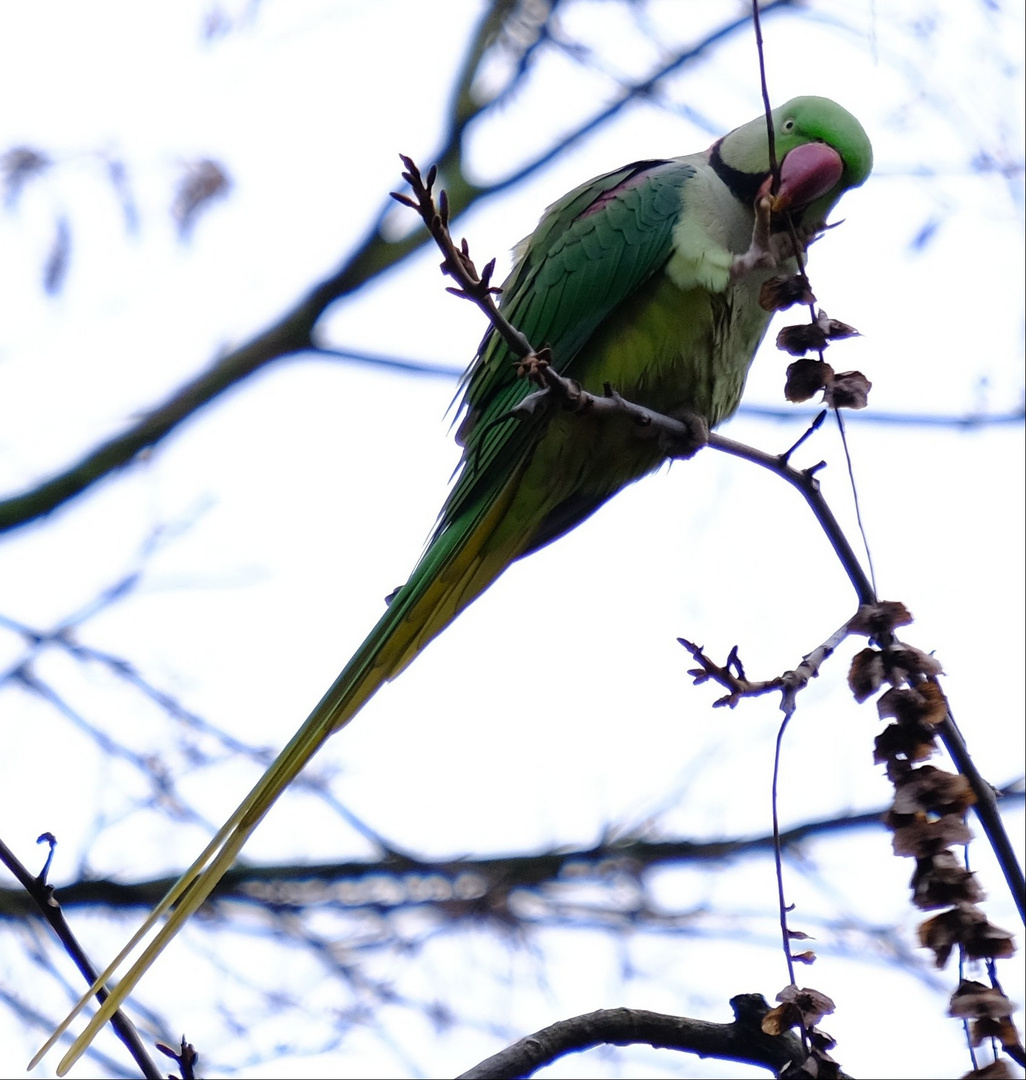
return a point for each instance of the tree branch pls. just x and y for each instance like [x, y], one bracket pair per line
[742, 1040]
[44, 902]
[483, 882]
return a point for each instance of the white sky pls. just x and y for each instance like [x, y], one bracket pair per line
[559, 703]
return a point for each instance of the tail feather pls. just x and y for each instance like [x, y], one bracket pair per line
[441, 589]
[461, 562]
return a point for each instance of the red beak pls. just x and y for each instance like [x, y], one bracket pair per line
[806, 173]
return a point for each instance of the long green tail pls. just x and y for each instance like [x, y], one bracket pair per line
[461, 562]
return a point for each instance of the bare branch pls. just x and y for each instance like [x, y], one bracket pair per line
[472, 884]
[742, 1040]
[46, 904]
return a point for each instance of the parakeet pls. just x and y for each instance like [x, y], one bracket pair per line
[645, 280]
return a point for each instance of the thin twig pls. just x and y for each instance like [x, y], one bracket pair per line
[838, 413]
[805, 481]
[771, 135]
[778, 864]
[458, 265]
[46, 902]
[730, 676]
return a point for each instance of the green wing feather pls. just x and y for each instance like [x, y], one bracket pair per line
[592, 249]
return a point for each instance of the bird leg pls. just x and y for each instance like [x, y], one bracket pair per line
[761, 252]
[768, 249]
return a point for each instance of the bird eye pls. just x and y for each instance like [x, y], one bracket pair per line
[788, 125]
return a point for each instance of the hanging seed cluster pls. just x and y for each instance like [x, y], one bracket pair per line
[928, 817]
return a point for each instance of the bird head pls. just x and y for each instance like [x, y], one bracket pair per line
[822, 151]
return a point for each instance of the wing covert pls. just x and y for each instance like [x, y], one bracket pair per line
[594, 248]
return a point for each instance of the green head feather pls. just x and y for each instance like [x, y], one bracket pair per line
[802, 120]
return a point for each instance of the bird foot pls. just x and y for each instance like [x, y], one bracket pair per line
[685, 444]
[534, 366]
[768, 249]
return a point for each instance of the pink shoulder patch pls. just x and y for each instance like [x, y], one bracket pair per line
[632, 181]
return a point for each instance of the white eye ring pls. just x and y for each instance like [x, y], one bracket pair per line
[788, 125]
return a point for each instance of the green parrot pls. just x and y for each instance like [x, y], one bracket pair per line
[645, 279]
